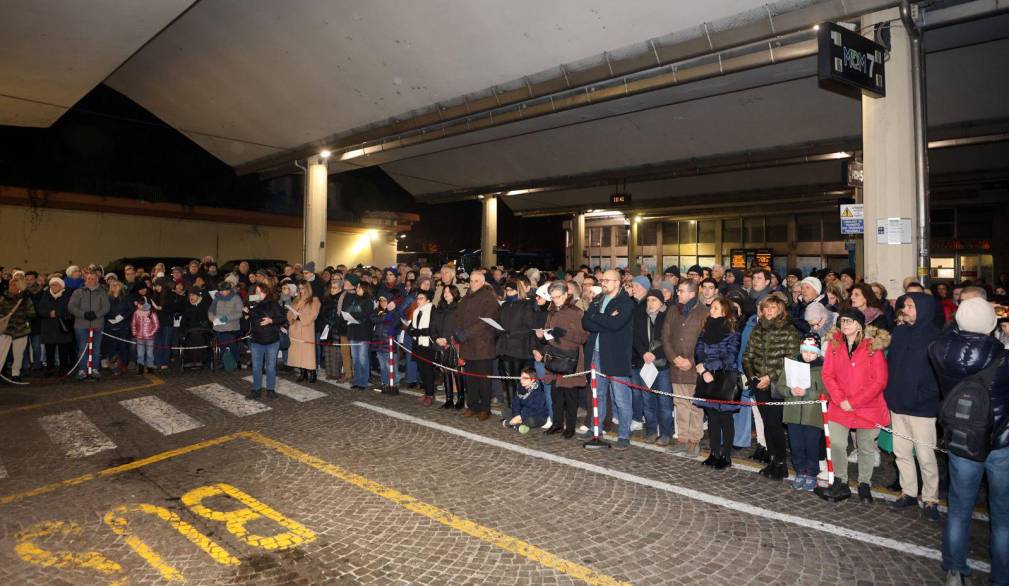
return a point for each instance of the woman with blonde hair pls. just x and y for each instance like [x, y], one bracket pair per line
[301, 315]
[117, 323]
[20, 311]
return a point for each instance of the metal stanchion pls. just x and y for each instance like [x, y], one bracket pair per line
[391, 389]
[91, 346]
[596, 443]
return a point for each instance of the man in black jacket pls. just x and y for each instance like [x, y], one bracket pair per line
[608, 321]
[912, 394]
[960, 352]
[647, 349]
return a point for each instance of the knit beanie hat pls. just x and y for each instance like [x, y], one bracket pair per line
[542, 291]
[797, 273]
[852, 313]
[57, 280]
[669, 287]
[814, 283]
[644, 282]
[811, 343]
[353, 279]
[656, 293]
[976, 315]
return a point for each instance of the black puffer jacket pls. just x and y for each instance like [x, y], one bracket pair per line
[518, 321]
[270, 333]
[957, 355]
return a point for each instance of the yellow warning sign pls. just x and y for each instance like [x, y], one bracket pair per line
[846, 213]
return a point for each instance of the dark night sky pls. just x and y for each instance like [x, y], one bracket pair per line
[108, 145]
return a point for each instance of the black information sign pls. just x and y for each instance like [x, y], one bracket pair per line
[620, 199]
[848, 62]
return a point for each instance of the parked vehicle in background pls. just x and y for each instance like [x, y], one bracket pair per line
[145, 262]
[277, 264]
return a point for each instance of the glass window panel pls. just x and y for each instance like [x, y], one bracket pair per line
[943, 215]
[808, 228]
[621, 262]
[706, 232]
[594, 235]
[777, 228]
[753, 231]
[648, 233]
[686, 262]
[832, 228]
[942, 230]
[607, 236]
[649, 262]
[974, 223]
[670, 233]
[621, 235]
[731, 231]
[688, 232]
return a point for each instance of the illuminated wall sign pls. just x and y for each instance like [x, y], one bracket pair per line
[620, 199]
[848, 62]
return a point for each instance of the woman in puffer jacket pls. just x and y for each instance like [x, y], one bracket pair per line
[855, 375]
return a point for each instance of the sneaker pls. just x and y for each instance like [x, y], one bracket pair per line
[96, 376]
[799, 482]
[694, 450]
[583, 429]
[82, 376]
[637, 425]
[931, 512]
[548, 424]
[904, 502]
[810, 484]
[954, 578]
[853, 457]
[662, 441]
[523, 429]
[679, 448]
[622, 444]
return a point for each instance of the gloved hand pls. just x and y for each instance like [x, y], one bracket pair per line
[89, 315]
[558, 332]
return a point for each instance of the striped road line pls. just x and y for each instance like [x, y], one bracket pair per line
[74, 433]
[224, 398]
[166, 419]
[295, 391]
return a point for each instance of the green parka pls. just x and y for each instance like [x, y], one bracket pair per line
[20, 323]
[811, 415]
[770, 343]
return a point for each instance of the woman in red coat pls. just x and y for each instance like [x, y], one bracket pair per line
[854, 373]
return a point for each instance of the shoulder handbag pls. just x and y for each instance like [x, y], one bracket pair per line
[560, 361]
[5, 319]
[724, 387]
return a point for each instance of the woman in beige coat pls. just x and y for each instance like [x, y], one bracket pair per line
[301, 316]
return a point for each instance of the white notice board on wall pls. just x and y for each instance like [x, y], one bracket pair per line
[894, 231]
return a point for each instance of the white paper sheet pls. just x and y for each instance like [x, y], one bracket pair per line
[797, 374]
[492, 323]
[349, 318]
[649, 373]
[177, 321]
[116, 319]
[325, 333]
[220, 321]
[212, 293]
[547, 336]
[293, 310]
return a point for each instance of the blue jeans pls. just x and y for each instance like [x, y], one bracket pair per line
[163, 345]
[412, 376]
[145, 353]
[657, 409]
[82, 347]
[617, 388]
[383, 367]
[35, 343]
[264, 355]
[362, 367]
[541, 373]
[226, 342]
[637, 403]
[742, 421]
[964, 481]
[806, 443]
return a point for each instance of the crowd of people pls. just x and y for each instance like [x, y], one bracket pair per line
[675, 355]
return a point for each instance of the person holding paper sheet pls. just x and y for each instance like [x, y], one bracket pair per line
[567, 336]
[715, 355]
[117, 323]
[168, 305]
[442, 327]
[855, 374]
[514, 344]
[359, 309]
[478, 342]
[225, 313]
[301, 316]
[805, 422]
[680, 330]
[647, 349]
[266, 317]
[423, 344]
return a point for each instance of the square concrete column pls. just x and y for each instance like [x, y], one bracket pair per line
[888, 144]
[488, 232]
[315, 220]
[578, 241]
[633, 264]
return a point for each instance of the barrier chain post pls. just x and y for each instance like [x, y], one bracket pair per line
[596, 442]
[392, 390]
[91, 346]
[821, 491]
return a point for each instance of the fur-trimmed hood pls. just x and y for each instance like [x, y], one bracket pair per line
[878, 337]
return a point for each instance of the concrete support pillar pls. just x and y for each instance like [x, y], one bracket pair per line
[888, 143]
[577, 241]
[488, 232]
[316, 200]
[633, 263]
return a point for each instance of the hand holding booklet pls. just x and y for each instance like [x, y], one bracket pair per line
[797, 374]
[348, 318]
[492, 323]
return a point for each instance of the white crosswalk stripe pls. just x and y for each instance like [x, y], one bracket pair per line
[160, 415]
[295, 391]
[224, 398]
[74, 433]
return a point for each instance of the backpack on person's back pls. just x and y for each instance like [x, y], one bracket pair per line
[966, 416]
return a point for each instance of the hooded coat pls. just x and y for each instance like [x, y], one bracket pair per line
[912, 388]
[858, 378]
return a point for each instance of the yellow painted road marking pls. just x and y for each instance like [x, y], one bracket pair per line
[492, 536]
[153, 381]
[236, 521]
[33, 554]
[116, 520]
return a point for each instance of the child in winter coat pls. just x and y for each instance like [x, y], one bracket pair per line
[805, 422]
[144, 327]
[529, 405]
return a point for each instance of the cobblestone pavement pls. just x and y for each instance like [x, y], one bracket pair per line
[187, 481]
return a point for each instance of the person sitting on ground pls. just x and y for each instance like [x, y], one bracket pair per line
[805, 422]
[529, 405]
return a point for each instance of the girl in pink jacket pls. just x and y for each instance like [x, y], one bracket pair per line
[144, 326]
[855, 373]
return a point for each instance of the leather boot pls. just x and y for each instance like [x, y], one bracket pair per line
[779, 471]
[302, 376]
[766, 470]
[312, 376]
[460, 398]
